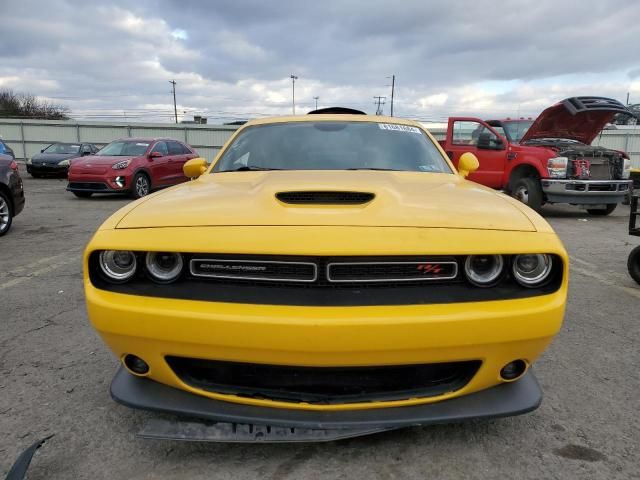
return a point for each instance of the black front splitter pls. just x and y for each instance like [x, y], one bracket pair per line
[226, 421]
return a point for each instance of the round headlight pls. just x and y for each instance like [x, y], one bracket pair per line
[164, 267]
[118, 265]
[483, 270]
[531, 270]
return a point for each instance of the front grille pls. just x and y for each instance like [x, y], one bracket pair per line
[600, 171]
[324, 385]
[325, 197]
[271, 271]
[351, 280]
[391, 271]
[87, 186]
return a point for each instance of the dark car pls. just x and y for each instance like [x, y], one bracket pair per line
[11, 192]
[56, 158]
[6, 149]
[134, 166]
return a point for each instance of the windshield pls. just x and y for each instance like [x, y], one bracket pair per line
[124, 148]
[332, 146]
[516, 130]
[63, 148]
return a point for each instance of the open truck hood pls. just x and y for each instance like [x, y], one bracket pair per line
[576, 118]
[400, 199]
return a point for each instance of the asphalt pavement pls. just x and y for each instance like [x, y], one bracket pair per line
[55, 374]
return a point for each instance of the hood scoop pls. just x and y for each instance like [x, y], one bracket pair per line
[324, 197]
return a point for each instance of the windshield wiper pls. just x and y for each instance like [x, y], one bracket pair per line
[248, 168]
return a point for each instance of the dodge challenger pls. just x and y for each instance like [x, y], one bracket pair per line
[331, 272]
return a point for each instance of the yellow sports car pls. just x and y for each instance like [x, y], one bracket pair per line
[327, 272]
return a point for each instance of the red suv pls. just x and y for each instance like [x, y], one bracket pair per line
[134, 166]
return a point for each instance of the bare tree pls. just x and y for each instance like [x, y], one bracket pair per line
[21, 105]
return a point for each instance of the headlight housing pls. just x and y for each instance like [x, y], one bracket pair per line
[626, 168]
[532, 269]
[64, 163]
[557, 167]
[118, 265]
[122, 164]
[164, 267]
[484, 270]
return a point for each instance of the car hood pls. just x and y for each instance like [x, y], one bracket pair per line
[576, 118]
[53, 157]
[402, 199]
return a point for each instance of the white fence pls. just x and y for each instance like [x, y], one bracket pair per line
[28, 137]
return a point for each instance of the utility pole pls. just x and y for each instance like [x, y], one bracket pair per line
[175, 108]
[293, 93]
[393, 87]
[380, 102]
[627, 99]
[316, 99]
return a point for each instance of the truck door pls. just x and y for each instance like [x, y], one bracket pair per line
[475, 136]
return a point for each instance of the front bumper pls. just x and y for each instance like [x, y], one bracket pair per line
[587, 192]
[44, 169]
[508, 399]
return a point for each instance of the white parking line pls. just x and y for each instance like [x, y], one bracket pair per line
[69, 257]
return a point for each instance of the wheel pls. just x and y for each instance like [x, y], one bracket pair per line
[6, 216]
[602, 212]
[528, 191]
[141, 185]
[36, 175]
[83, 194]
[633, 264]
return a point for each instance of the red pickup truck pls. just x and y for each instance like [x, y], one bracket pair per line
[549, 159]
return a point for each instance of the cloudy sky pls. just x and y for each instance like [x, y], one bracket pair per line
[233, 59]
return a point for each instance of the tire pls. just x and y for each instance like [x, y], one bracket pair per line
[6, 213]
[633, 264]
[528, 191]
[83, 194]
[140, 186]
[602, 212]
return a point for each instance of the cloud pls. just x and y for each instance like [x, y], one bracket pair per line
[233, 59]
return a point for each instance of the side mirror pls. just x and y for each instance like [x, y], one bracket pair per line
[467, 164]
[194, 167]
[42, 150]
[155, 155]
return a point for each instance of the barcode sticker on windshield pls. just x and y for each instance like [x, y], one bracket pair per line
[398, 128]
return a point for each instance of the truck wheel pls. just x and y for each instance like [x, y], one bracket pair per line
[602, 212]
[633, 264]
[529, 192]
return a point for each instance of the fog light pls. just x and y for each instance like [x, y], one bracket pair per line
[119, 181]
[513, 370]
[135, 364]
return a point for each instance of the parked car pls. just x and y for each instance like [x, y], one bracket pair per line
[549, 159]
[328, 271]
[6, 149]
[134, 166]
[11, 192]
[56, 158]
